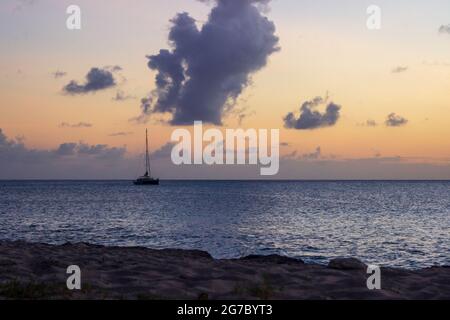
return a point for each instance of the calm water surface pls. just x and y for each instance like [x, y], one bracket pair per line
[394, 223]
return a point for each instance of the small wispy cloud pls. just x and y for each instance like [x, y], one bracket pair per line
[120, 134]
[59, 74]
[371, 123]
[21, 4]
[313, 155]
[122, 96]
[399, 69]
[75, 125]
[444, 29]
[114, 68]
[436, 63]
[394, 120]
[309, 156]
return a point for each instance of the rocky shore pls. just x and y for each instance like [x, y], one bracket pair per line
[39, 271]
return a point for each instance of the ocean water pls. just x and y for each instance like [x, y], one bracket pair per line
[405, 224]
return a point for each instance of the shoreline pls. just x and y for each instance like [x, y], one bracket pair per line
[38, 271]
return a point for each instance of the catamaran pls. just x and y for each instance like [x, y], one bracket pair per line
[146, 179]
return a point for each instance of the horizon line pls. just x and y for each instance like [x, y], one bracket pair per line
[238, 180]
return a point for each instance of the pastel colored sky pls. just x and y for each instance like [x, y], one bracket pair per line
[326, 48]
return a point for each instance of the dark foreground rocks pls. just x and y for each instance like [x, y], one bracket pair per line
[38, 271]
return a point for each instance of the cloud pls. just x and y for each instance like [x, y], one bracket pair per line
[21, 4]
[96, 80]
[59, 74]
[68, 160]
[120, 134]
[163, 152]
[26, 2]
[146, 108]
[394, 120]
[244, 114]
[313, 119]
[122, 96]
[13, 151]
[313, 155]
[436, 63]
[399, 69]
[113, 69]
[444, 29]
[17, 150]
[371, 123]
[292, 155]
[377, 168]
[295, 155]
[207, 69]
[99, 151]
[146, 104]
[83, 161]
[66, 149]
[75, 125]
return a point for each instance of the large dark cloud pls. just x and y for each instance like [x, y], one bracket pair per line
[394, 120]
[208, 68]
[96, 79]
[313, 119]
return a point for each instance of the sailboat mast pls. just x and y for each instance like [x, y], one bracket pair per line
[147, 158]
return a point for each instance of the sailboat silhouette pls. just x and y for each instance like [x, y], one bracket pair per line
[146, 179]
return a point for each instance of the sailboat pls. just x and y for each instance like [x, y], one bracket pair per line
[146, 179]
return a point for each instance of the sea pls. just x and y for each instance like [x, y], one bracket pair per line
[392, 223]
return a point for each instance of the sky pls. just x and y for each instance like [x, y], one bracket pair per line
[350, 103]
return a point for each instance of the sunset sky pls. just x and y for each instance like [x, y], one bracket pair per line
[324, 49]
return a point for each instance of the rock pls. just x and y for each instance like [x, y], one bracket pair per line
[274, 258]
[181, 253]
[42, 266]
[347, 264]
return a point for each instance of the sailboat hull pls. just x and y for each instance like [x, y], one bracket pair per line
[146, 181]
